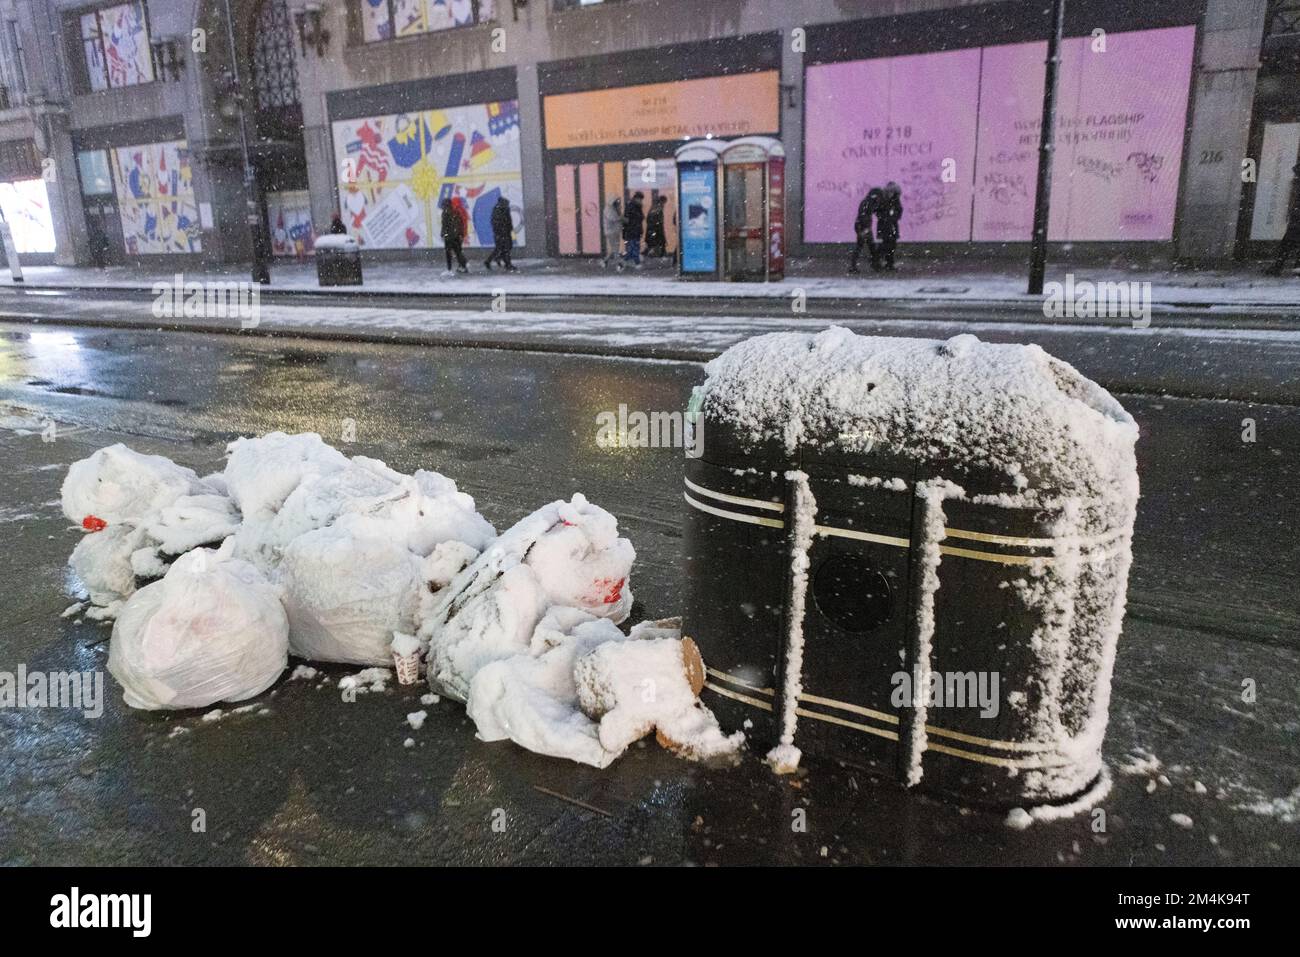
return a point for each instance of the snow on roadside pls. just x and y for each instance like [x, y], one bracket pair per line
[1285, 809]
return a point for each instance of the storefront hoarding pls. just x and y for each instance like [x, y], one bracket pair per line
[395, 169]
[155, 198]
[958, 130]
[735, 105]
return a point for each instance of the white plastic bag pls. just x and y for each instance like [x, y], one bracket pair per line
[117, 484]
[102, 561]
[565, 553]
[532, 700]
[650, 684]
[261, 473]
[211, 630]
[581, 562]
[346, 590]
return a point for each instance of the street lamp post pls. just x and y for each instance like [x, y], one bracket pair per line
[261, 261]
[1046, 147]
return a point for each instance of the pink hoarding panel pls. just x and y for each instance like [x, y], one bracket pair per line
[1120, 151]
[1006, 167]
[872, 121]
[589, 198]
[1120, 122]
[566, 210]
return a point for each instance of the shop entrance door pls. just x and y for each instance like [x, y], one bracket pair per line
[104, 231]
[744, 228]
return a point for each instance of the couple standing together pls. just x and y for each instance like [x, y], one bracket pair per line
[885, 206]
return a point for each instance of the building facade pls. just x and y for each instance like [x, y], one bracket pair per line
[157, 131]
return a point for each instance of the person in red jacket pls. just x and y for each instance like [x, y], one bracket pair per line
[453, 235]
[458, 205]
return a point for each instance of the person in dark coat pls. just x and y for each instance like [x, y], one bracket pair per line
[336, 226]
[633, 221]
[656, 239]
[503, 238]
[453, 235]
[862, 226]
[887, 217]
[1289, 247]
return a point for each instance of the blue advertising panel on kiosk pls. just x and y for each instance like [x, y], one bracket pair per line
[698, 217]
[699, 209]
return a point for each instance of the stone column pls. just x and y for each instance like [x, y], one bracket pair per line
[1223, 93]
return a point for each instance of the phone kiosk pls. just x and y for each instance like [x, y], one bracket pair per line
[731, 196]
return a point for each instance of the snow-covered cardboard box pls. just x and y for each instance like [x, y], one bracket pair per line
[912, 552]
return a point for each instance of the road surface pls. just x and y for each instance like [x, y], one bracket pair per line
[317, 780]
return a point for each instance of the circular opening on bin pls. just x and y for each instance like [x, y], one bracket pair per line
[852, 594]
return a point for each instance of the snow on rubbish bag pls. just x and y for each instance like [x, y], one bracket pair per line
[527, 633]
[565, 553]
[421, 510]
[135, 509]
[117, 484]
[588, 692]
[212, 629]
[346, 590]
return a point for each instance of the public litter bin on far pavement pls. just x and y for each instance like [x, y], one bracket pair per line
[912, 555]
[338, 260]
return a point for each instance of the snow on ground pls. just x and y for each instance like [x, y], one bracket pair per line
[822, 278]
[690, 336]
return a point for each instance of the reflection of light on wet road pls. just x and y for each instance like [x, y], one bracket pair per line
[56, 356]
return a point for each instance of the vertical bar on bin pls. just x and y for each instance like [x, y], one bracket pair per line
[787, 613]
[927, 532]
[800, 514]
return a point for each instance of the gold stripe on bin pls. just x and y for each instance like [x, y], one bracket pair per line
[735, 499]
[891, 540]
[1014, 746]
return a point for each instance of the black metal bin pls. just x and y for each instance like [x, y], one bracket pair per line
[973, 518]
[338, 261]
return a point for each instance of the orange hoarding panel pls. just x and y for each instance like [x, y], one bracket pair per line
[740, 105]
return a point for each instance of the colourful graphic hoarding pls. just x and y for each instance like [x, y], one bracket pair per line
[116, 44]
[1121, 119]
[386, 19]
[288, 217]
[155, 198]
[394, 171]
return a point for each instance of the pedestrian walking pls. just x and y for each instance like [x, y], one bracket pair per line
[458, 205]
[656, 238]
[336, 225]
[453, 235]
[1289, 247]
[633, 221]
[887, 217]
[503, 238]
[613, 227]
[862, 227]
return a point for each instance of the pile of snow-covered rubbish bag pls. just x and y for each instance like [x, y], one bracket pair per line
[296, 549]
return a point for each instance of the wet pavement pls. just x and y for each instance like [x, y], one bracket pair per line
[308, 778]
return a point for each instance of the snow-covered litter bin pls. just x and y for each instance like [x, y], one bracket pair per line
[338, 260]
[914, 555]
